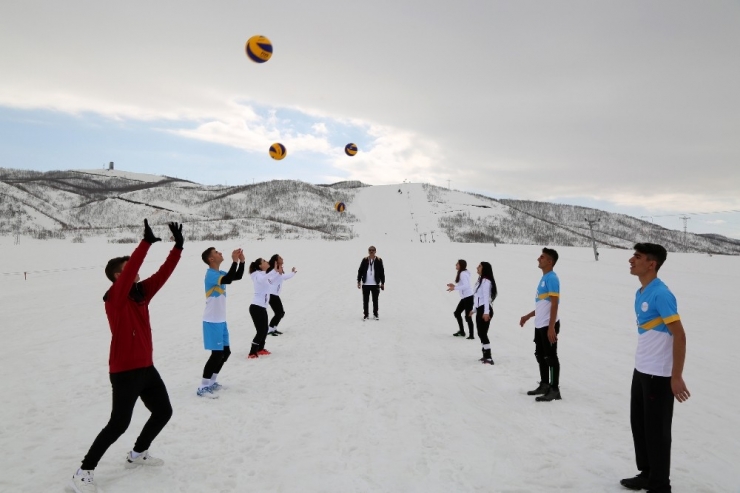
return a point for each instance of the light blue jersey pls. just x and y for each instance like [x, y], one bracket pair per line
[548, 287]
[655, 307]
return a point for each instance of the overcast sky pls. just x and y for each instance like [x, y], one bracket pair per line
[629, 106]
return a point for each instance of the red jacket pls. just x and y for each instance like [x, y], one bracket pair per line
[127, 307]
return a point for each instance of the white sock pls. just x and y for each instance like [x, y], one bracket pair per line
[205, 382]
[271, 330]
[81, 471]
[213, 378]
[134, 455]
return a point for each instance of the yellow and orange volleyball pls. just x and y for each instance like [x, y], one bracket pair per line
[277, 151]
[259, 49]
[339, 207]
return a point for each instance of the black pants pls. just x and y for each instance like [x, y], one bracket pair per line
[465, 307]
[547, 356]
[366, 290]
[216, 362]
[651, 416]
[277, 307]
[259, 317]
[128, 386]
[482, 325]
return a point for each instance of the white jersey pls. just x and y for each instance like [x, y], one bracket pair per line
[277, 284]
[463, 285]
[262, 285]
[482, 296]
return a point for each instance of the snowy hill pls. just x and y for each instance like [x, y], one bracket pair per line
[83, 204]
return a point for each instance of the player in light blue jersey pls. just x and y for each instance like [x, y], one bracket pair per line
[547, 328]
[215, 330]
[658, 375]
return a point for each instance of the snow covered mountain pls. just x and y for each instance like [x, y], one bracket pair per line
[88, 203]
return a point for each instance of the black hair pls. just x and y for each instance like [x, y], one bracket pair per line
[207, 254]
[273, 262]
[552, 254]
[463, 265]
[115, 266]
[487, 273]
[255, 266]
[653, 251]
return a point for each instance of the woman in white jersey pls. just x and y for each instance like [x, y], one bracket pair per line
[465, 306]
[258, 309]
[484, 293]
[276, 264]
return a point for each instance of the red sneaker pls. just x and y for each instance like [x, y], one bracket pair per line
[263, 352]
[252, 356]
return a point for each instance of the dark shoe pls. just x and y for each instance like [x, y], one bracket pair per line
[639, 482]
[541, 390]
[470, 337]
[277, 333]
[487, 361]
[459, 334]
[552, 395]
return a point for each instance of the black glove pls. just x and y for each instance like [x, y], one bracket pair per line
[148, 234]
[177, 234]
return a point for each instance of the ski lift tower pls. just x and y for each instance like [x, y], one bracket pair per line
[591, 223]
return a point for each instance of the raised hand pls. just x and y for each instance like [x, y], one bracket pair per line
[177, 234]
[235, 255]
[149, 234]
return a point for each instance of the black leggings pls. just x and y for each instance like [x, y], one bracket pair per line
[277, 306]
[483, 325]
[216, 362]
[128, 386]
[465, 306]
[259, 317]
[547, 356]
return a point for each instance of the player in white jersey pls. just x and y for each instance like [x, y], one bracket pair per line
[465, 306]
[484, 293]
[215, 330]
[547, 328]
[658, 375]
[276, 263]
[258, 309]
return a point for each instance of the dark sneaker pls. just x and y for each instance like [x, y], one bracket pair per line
[470, 337]
[277, 332]
[459, 334]
[639, 482]
[487, 361]
[274, 333]
[552, 395]
[541, 390]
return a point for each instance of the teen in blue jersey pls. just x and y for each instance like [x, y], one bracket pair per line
[215, 330]
[547, 328]
[658, 375]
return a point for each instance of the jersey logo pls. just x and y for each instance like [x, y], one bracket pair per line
[542, 284]
[644, 307]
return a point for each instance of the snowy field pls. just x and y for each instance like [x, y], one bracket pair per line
[344, 406]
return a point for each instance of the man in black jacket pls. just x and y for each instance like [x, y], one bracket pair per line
[370, 277]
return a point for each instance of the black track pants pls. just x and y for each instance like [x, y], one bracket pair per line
[547, 356]
[277, 307]
[464, 307]
[259, 317]
[366, 291]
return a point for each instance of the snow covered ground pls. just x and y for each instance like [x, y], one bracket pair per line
[342, 405]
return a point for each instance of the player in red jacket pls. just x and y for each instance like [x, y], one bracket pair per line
[132, 372]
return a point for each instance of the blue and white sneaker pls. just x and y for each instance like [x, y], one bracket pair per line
[207, 393]
[215, 387]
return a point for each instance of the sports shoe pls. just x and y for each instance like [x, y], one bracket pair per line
[470, 337]
[82, 482]
[364, 318]
[541, 390]
[252, 356]
[459, 334]
[206, 392]
[487, 361]
[552, 395]
[277, 332]
[376, 317]
[215, 387]
[639, 482]
[263, 352]
[144, 459]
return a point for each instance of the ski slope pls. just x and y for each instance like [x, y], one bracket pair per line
[344, 406]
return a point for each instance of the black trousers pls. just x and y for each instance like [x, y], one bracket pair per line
[651, 416]
[259, 317]
[464, 307]
[482, 325]
[277, 307]
[547, 356]
[216, 362]
[127, 387]
[366, 290]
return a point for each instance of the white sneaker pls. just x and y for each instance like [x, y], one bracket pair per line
[206, 392]
[215, 387]
[144, 459]
[82, 482]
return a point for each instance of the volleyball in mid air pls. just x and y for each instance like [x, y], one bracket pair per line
[277, 151]
[350, 149]
[339, 207]
[259, 49]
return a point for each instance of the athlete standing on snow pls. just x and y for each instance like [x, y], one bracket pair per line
[547, 328]
[658, 375]
[215, 330]
[465, 306]
[484, 293]
[132, 372]
[370, 276]
[258, 309]
[276, 263]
